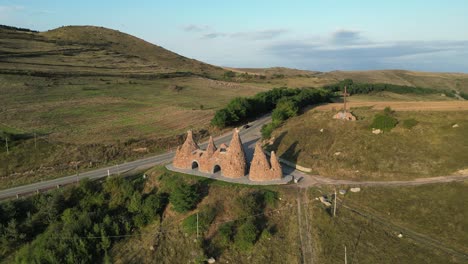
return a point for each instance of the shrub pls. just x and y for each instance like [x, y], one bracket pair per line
[409, 123]
[267, 130]
[270, 197]
[246, 235]
[384, 122]
[464, 95]
[284, 110]
[184, 198]
[206, 216]
[226, 233]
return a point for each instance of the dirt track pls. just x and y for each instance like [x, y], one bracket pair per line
[314, 180]
[403, 106]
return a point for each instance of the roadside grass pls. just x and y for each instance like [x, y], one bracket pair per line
[436, 211]
[174, 239]
[367, 240]
[70, 115]
[348, 150]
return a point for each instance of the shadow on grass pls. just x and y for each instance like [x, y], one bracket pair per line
[291, 154]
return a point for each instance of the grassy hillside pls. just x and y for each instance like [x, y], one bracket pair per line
[427, 145]
[290, 225]
[451, 81]
[88, 50]
[93, 96]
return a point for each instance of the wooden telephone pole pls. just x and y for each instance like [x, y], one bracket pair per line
[345, 94]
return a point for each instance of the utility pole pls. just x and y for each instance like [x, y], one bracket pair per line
[35, 141]
[334, 207]
[6, 143]
[344, 97]
[108, 173]
[197, 225]
[345, 256]
[77, 173]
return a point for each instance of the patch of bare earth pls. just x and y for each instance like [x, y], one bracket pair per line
[402, 106]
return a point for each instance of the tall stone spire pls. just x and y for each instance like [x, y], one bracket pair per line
[189, 145]
[211, 148]
[183, 157]
[259, 167]
[235, 164]
[276, 170]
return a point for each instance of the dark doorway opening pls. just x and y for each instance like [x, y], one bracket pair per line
[194, 165]
[216, 169]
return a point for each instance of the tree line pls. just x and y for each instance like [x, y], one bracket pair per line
[366, 88]
[285, 102]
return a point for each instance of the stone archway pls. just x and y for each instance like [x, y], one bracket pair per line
[216, 169]
[195, 165]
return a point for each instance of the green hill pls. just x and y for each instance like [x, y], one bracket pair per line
[89, 50]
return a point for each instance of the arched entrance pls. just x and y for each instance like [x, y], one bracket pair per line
[194, 165]
[216, 169]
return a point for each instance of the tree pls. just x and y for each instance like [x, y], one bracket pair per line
[246, 235]
[184, 198]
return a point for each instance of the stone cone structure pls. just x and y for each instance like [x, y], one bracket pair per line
[234, 165]
[211, 149]
[183, 157]
[261, 169]
[230, 160]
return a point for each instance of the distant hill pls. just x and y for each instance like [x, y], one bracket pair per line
[275, 71]
[453, 81]
[93, 51]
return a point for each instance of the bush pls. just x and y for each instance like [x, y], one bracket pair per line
[464, 95]
[284, 110]
[184, 198]
[384, 122]
[226, 233]
[246, 235]
[206, 216]
[270, 197]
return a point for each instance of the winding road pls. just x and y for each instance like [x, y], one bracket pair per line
[249, 137]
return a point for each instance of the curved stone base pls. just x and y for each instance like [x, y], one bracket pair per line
[242, 180]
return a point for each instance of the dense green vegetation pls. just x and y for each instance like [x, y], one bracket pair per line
[464, 95]
[384, 121]
[77, 224]
[366, 88]
[286, 101]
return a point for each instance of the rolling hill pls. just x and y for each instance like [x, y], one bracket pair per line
[89, 50]
[94, 96]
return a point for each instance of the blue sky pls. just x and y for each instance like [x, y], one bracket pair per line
[315, 34]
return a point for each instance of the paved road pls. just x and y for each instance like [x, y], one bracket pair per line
[249, 137]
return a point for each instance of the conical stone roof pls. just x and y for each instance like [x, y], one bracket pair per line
[189, 145]
[211, 148]
[235, 163]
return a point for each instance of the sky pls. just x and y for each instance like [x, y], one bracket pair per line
[322, 35]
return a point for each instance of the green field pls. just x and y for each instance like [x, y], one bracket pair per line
[94, 96]
[348, 150]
